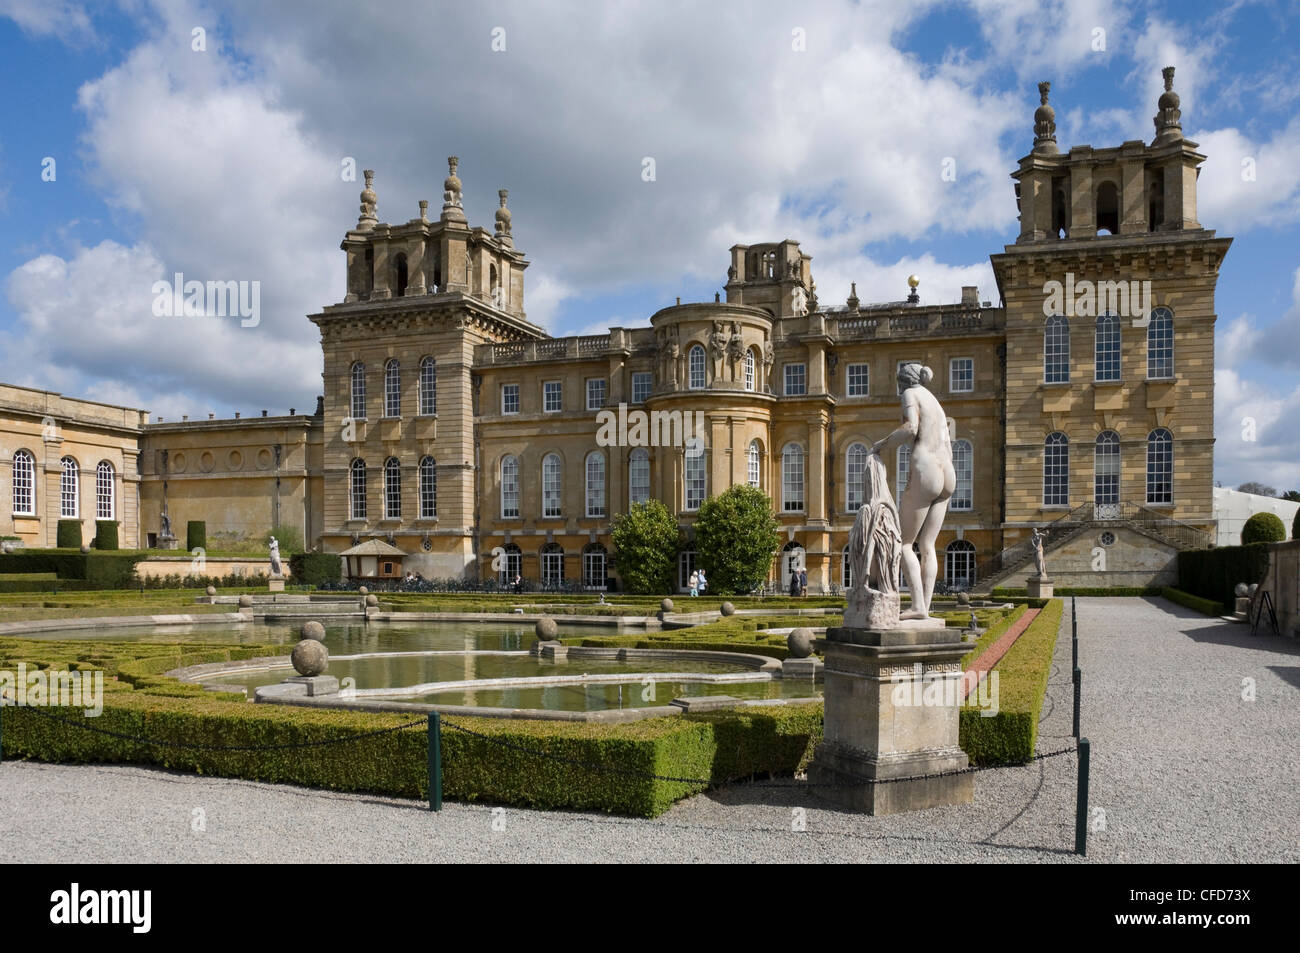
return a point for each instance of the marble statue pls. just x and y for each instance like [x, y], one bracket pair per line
[275, 558]
[875, 547]
[930, 483]
[1036, 542]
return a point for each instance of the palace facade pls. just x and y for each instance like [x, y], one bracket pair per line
[460, 433]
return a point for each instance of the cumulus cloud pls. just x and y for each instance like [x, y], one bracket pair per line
[65, 20]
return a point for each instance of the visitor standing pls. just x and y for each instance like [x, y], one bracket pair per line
[704, 583]
[695, 584]
[794, 582]
[803, 582]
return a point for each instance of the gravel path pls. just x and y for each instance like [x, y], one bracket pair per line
[1183, 768]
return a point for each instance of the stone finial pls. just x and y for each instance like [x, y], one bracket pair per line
[503, 219]
[424, 210]
[1168, 117]
[452, 210]
[852, 300]
[1044, 121]
[912, 282]
[369, 200]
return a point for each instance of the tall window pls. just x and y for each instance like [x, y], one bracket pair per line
[642, 381]
[1160, 466]
[513, 565]
[392, 489]
[1056, 350]
[792, 478]
[846, 569]
[961, 375]
[796, 380]
[552, 485]
[68, 496]
[595, 484]
[552, 397]
[509, 398]
[358, 391]
[593, 566]
[638, 476]
[552, 564]
[428, 488]
[595, 393]
[509, 487]
[104, 491]
[750, 366]
[24, 483]
[753, 464]
[855, 462]
[1107, 351]
[1056, 470]
[959, 564]
[1160, 344]
[903, 469]
[693, 466]
[392, 389]
[358, 489]
[1105, 468]
[858, 380]
[695, 363]
[963, 462]
[428, 387]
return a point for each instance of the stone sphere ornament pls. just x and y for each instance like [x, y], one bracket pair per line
[372, 600]
[313, 630]
[310, 658]
[546, 629]
[666, 605]
[1254, 588]
[727, 609]
[211, 590]
[963, 598]
[800, 643]
[363, 591]
[8, 548]
[1241, 590]
[245, 601]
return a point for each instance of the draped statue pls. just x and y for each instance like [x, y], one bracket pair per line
[875, 548]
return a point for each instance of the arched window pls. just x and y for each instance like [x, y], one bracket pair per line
[435, 271]
[754, 464]
[1056, 470]
[513, 566]
[594, 560]
[1160, 466]
[1056, 350]
[959, 564]
[595, 484]
[1160, 344]
[24, 484]
[509, 487]
[104, 491]
[750, 366]
[792, 478]
[428, 488]
[694, 481]
[494, 286]
[963, 463]
[552, 564]
[69, 498]
[392, 389]
[903, 469]
[1108, 208]
[392, 489]
[638, 476]
[1107, 348]
[428, 387]
[358, 391]
[358, 490]
[1105, 468]
[855, 462]
[399, 275]
[695, 365]
[552, 485]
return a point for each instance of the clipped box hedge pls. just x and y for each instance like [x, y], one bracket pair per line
[312, 569]
[1214, 573]
[105, 535]
[68, 534]
[98, 569]
[1206, 606]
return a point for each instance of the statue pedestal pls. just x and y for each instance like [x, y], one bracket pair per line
[275, 584]
[892, 703]
[168, 542]
[1039, 587]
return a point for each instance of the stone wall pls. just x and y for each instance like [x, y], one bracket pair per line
[1133, 559]
[1282, 581]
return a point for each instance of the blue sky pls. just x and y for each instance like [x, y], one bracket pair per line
[224, 163]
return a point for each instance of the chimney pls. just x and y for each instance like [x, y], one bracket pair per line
[236, 415]
[293, 412]
[970, 296]
[264, 413]
[211, 415]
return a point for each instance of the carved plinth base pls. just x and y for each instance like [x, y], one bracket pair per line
[871, 609]
[168, 542]
[1039, 587]
[275, 584]
[892, 702]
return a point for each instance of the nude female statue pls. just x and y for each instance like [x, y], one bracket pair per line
[930, 483]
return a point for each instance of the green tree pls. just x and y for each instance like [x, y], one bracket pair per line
[736, 537]
[1263, 528]
[646, 540]
[1291, 496]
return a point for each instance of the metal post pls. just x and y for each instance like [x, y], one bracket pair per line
[1081, 804]
[1074, 617]
[435, 762]
[1078, 693]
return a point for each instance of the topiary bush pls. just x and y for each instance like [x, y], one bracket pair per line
[105, 534]
[1263, 528]
[312, 569]
[646, 540]
[1295, 526]
[736, 537]
[196, 535]
[69, 534]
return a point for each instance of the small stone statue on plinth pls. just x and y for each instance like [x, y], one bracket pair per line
[165, 538]
[276, 583]
[1039, 586]
[893, 681]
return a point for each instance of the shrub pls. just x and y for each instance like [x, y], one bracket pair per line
[1263, 528]
[196, 535]
[1214, 573]
[1295, 525]
[69, 534]
[312, 569]
[646, 540]
[1206, 606]
[105, 534]
[736, 537]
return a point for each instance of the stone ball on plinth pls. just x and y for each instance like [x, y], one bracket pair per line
[313, 630]
[7, 548]
[546, 629]
[245, 601]
[963, 598]
[666, 605]
[727, 609]
[800, 643]
[372, 600]
[211, 590]
[310, 658]
[1241, 590]
[363, 591]
[1254, 587]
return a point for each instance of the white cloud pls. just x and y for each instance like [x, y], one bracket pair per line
[60, 18]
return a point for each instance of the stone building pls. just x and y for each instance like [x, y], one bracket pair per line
[456, 430]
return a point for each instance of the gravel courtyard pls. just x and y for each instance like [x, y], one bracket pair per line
[1184, 768]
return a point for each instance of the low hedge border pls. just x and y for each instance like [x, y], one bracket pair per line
[1196, 603]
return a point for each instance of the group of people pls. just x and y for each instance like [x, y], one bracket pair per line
[698, 582]
[412, 577]
[799, 582]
